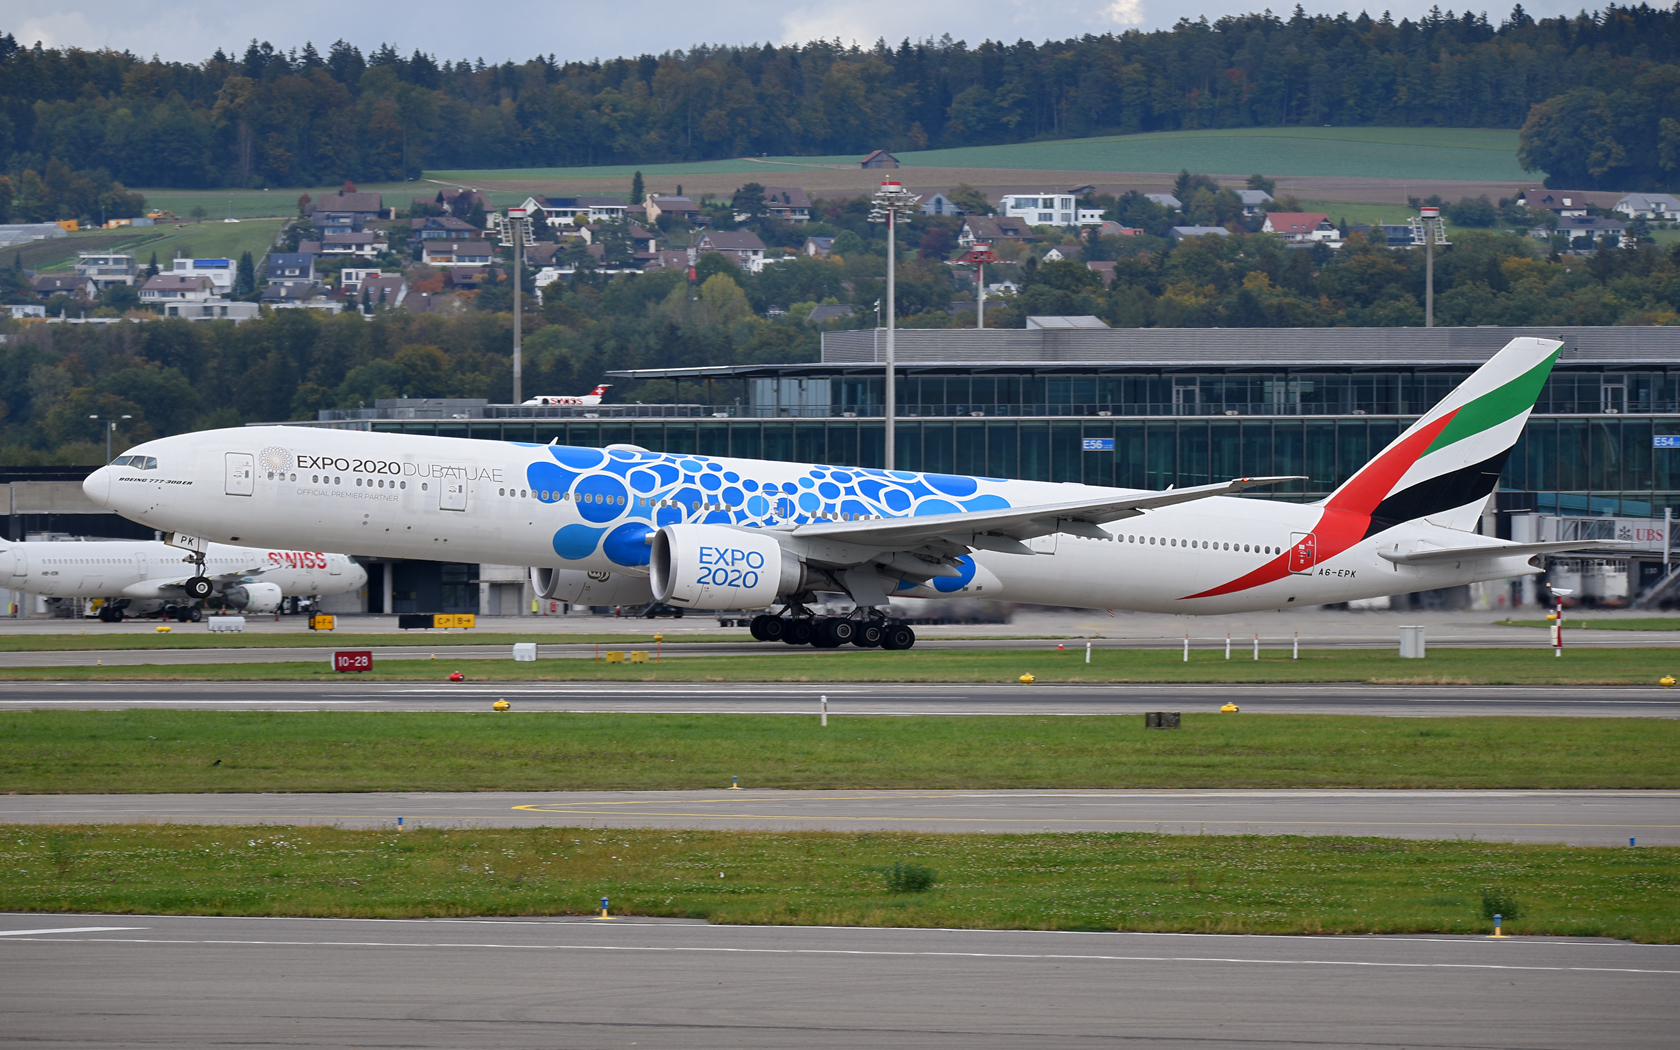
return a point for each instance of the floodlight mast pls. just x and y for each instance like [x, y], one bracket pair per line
[891, 200]
[1431, 230]
[979, 255]
[513, 233]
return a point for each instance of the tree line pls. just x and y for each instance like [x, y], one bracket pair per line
[304, 118]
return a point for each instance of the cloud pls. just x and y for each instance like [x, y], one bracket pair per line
[1126, 12]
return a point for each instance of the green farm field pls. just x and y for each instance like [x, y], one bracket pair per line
[1423, 154]
[155, 750]
[1212, 884]
[211, 239]
[1536, 666]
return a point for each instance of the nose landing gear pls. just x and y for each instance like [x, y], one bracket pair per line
[199, 587]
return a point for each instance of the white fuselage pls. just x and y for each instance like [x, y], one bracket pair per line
[146, 569]
[462, 500]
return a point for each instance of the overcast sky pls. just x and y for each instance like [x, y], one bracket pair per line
[518, 29]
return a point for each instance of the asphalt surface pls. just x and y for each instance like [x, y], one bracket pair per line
[1242, 648]
[176, 981]
[852, 698]
[1581, 818]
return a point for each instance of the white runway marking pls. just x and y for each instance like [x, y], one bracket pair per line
[71, 929]
[1229, 960]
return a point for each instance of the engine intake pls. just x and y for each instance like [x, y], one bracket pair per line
[253, 597]
[714, 567]
[576, 587]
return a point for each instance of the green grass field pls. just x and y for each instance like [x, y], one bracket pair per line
[200, 240]
[1216, 884]
[1424, 154]
[153, 750]
[1595, 666]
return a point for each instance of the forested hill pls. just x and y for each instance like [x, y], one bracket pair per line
[303, 118]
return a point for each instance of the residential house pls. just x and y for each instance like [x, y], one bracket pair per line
[643, 240]
[679, 208]
[879, 159]
[364, 245]
[299, 296]
[819, 247]
[566, 211]
[1301, 227]
[1254, 201]
[1109, 228]
[1178, 233]
[1089, 216]
[343, 212]
[1661, 206]
[457, 253]
[106, 271]
[466, 278]
[289, 269]
[1588, 232]
[542, 254]
[667, 259]
[1165, 200]
[25, 311]
[74, 285]
[383, 290]
[741, 245]
[937, 203]
[788, 203]
[222, 272]
[442, 228]
[1565, 204]
[831, 312]
[1039, 209]
[213, 309]
[350, 278]
[987, 230]
[430, 303]
[1054, 255]
[177, 288]
[1103, 269]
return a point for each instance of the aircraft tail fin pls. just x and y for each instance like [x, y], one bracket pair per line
[1445, 465]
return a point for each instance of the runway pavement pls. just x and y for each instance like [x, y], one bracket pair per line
[183, 981]
[1582, 818]
[852, 698]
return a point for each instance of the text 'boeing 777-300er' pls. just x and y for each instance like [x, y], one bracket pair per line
[622, 525]
[143, 577]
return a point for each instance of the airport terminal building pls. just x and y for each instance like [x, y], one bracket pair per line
[1158, 407]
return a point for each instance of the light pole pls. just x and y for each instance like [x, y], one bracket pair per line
[980, 255]
[1429, 229]
[514, 234]
[110, 428]
[889, 202]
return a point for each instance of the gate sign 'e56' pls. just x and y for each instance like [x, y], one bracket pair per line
[1665, 441]
[1097, 445]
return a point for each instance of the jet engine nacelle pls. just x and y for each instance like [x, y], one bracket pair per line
[713, 567]
[590, 588]
[253, 597]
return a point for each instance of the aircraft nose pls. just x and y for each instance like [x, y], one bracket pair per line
[97, 486]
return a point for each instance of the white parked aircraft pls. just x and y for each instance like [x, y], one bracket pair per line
[142, 577]
[623, 525]
[591, 398]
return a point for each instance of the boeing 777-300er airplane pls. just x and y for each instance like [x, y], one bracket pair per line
[623, 525]
[140, 577]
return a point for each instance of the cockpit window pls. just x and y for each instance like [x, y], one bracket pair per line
[137, 462]
[121, 461]
[150, 464]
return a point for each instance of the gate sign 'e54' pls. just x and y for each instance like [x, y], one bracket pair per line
[1097, 445]
[1665, 441]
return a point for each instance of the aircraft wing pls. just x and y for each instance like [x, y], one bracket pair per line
[1003, 529]
[1423, 555]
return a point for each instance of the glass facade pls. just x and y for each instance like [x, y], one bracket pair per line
[1569, 464]
[1162, 393]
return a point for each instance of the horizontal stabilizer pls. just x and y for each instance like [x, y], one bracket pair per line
[1491, 551]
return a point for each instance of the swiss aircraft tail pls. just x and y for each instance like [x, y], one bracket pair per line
[1443, 467]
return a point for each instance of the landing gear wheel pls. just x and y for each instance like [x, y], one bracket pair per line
[756, 628]
[897, 637]
[199, 588]
[797, 632]
[773, 629]
[105, 614]
[869, 634]
[182, 614]
[835, 633]
[116, 616]
[195, 614]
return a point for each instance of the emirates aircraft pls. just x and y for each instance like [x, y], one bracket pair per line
[623, 525]
[591, 398]
[143, 577]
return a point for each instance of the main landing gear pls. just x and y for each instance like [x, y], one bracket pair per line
[831, 632]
